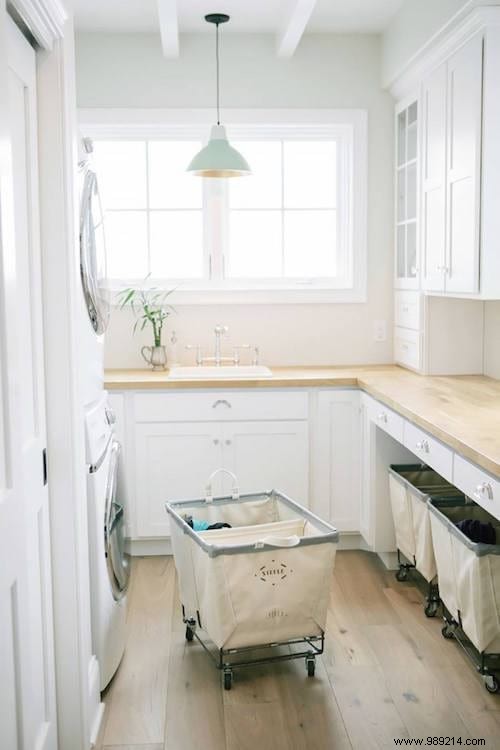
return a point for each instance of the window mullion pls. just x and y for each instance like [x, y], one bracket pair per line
[148, 228]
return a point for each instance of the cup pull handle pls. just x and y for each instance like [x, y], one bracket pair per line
[221, 402]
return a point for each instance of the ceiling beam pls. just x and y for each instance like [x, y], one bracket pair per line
[294, 27]
[169, 27]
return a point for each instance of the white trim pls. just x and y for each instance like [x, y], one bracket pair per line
[44, 19]
[295, 25]
[148, 547]
[169, 27]
[441, 45]
[348, 126]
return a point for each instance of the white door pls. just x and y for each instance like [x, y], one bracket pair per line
[465, 71]
[173, 462]
[268, 455]
[27, 689]
[434, 179]
[337, 485]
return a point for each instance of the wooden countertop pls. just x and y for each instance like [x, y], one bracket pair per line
[463, 411]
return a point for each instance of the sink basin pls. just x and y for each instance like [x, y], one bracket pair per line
[206, 372]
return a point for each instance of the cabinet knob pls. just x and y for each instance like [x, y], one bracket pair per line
[216, 441]
[382, 417]
[482, 490]
[423, 445]
[228, 442]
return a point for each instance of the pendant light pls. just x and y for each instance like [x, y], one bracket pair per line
[218, 158]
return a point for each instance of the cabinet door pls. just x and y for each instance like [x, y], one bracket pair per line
[337, 485]
[173, 462]
[269, 455]
[465, 70]
[434, 179]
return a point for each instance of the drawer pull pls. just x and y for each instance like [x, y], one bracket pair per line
[216, 441]
[423, 445]
[382, 417]
[484, 489]
[228, 442]
[221, 402]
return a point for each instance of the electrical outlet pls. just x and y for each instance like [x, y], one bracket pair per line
[379, 331]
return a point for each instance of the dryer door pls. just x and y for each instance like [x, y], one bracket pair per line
[93, 253]
[114, 523]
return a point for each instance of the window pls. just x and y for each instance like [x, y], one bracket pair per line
[291, 226]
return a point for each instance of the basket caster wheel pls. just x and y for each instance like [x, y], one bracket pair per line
[447, 632]
[189, 634]
[311, 666]
[431, 609]
[402, 574]
[228, 679]
[491, 683]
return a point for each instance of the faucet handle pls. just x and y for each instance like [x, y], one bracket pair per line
[220, 330]
[190, 347]
[236, 352]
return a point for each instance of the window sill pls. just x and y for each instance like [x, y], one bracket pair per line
[259, 296]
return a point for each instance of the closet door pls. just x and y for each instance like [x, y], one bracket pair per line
[27, 683]
[464, 167]
[434, 179]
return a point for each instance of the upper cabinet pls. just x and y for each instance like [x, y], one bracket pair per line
[451, 172]
[407, 195]
[457, 169]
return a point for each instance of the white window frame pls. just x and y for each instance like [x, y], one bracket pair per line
[348, 126]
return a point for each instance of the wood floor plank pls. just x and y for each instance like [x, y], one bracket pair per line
[138, 693]
[194, 708]
[134, 747]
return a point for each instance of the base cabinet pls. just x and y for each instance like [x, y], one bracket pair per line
[337, 458]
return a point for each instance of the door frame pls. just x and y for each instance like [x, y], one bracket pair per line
[50, 26]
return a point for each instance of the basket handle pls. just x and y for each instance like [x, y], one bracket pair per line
[278, 541]
[235, 493]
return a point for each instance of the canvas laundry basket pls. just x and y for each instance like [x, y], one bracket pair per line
[469, 574]
[411, 486]
[265, 580]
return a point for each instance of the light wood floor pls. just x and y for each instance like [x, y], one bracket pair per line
[387, 673]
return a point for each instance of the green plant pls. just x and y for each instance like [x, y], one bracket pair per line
[149, 306]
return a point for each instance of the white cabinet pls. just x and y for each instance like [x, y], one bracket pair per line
[268, 455]
[337, 457]
[181, 438]
[172, 462]
[407, 150]
[434, 179]
[451, 171]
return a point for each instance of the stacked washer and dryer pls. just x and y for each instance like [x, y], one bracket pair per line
[109, 569]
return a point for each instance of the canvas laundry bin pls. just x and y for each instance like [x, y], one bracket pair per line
[266, 580]
[469, 573]
[411, 486]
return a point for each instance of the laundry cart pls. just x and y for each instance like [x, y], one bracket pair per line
[411, 486]
[469, 584]
[262, 583]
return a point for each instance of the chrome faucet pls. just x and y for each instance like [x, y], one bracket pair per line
[219, 331]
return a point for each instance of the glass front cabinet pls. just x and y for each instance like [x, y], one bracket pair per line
[406, 210]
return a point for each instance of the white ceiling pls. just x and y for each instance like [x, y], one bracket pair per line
[246, 15]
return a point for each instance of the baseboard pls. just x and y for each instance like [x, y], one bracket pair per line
[390, 560]
[351, 540]
[148, 547]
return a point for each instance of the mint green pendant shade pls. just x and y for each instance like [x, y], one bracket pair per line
[218, 158]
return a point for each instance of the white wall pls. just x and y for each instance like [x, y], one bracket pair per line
[128, 70]
[492, 339]
[412, 27]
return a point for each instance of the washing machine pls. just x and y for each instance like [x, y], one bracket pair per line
[109, 565]
[94, 307]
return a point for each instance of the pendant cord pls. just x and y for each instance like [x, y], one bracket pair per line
[217, 60]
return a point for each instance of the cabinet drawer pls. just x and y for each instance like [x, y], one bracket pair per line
[478, 485]
[385, 418]
[220, 406]
[407, 310]
[429, 450]
[407, 348]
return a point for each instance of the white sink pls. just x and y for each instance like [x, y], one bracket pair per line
[205, 372]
